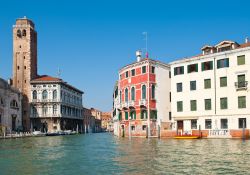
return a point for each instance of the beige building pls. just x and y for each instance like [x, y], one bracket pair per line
[210, 91]
[10, 108]
[107, 122]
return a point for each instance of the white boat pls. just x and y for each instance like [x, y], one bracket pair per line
[38, 133]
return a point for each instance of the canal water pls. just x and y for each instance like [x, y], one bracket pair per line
[105, 154]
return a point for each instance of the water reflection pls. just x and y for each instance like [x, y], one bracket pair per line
[105, 154]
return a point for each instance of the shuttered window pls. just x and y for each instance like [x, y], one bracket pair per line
[179, 106]
[223, 103]
[179, 70]
[223, 81]
[193, 105]
[242, 102]
[208, 104]
[207, 83]
[126, 115]
[207, 65]
[241, 60]
[222, 63]
[192, 68]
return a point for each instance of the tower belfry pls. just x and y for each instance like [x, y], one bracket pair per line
[24, 61]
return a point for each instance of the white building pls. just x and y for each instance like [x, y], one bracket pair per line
[10, 108]
[115, 114]
[211, 91]
[56, 105]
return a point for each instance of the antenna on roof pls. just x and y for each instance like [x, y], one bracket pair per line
[58, 72]
[146, 43]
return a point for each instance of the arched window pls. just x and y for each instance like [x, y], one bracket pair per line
[143, 92]
[24, 32]
[1, 101]
[34, 94]
[126, 95]
[19, 34]
[153, 92]
[45, 94]
[133, 93]
[45, 110]
[54, 94]
[54, 109]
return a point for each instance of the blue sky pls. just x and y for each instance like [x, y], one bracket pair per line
[90, 40]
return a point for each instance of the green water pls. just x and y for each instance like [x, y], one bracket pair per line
[105, 154]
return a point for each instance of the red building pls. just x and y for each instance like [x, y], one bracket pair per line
[144, 92]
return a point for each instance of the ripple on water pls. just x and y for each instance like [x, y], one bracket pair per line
[105, 154]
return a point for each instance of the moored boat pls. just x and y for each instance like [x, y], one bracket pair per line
[186, 137]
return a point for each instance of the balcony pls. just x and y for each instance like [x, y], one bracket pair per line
[131, 103]
[219, 133]
[143, 102]
[45, 100]
[241, 85]
[125, 105]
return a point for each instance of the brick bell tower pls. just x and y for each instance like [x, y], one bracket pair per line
[24, 63]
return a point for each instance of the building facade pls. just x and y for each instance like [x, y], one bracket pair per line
[56, 105]
[107, 122]
[10, 108]
[144, 98]
[210, 91]
[24, 63]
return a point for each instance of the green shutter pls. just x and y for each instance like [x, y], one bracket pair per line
[207, 83]
[193, 105]
[207, 104]
[175, 71]
[241, 60]
[223, 81]
[179, 106]
[242, 102]
[126, 115]
[223, 103]
[211, 65]
[120, 116]
[196, 67]
[182, 69]
[202, 66]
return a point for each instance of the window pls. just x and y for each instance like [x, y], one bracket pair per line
[120, 116]
[144, 127]
[126, 95]
[241, 81]
[133, 115]
[207, 83]
[54, 109]
[222, 63]
[223, 103]
[153, 114]
[34, 94]
[242, 123]
[127, 74]
[0, 118]
[241, 60]
[193, 124]
[45, 94]
[179, 70]
[179, 106]
[133, 72]
[207, 65]
[152, 69]
[169, 96]
[144, 114]
[223, 81]
[153, 91]
[143, 69]
[132, 127]
[192, 85]
[45, 110]
[170, 116]
[54, 94]
[24, 33]
[13, 104]
[126, 115]
[192, 68]
[120, 96]
[19, 33]
[133, 93]
[179, 87]
[208, 105]
[208, 124]
[143, 91]
[242, 102]
[193, 105]
[223, 124]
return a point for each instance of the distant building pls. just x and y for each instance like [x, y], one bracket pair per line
[210, 91]
[97, 115]
[115, 113]
[56, 105]
[107, 122]
[144, 98]
[10, 108]
[88, 121]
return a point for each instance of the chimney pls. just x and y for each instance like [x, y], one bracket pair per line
[246, 40]
[138, 54]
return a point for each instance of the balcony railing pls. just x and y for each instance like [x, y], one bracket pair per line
[125, 105]
[241, 85]
[143, 102]
[45, 100]
[219, 132]
[131, 103]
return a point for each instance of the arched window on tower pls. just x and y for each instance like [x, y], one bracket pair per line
[34, 94]
[54, 94]
[24, 32]
[19, 34]
[45, 94]
[133, 93]
[126, 95]
[143, 92]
